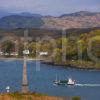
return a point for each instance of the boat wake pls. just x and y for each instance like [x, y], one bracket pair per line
[88, 85]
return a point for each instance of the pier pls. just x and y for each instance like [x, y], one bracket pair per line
[25, 80]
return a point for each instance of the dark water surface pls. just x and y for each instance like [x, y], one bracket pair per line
[42, 81]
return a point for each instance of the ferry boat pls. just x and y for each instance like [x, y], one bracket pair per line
[69, 81]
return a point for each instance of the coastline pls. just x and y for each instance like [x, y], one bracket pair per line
[65, 65]
[21, 58]
[70, 65]
[30, 96]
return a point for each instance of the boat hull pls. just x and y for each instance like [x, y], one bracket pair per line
[64, 82]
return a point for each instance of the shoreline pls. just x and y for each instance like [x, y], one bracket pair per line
[67, 65]
[31, 96]
[29, 59]
[72, 66]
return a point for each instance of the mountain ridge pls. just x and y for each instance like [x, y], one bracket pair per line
[82, 19]
[81, 13]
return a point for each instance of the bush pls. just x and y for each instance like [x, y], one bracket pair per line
[76, 98]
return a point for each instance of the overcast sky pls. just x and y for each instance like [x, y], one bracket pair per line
[49, 7]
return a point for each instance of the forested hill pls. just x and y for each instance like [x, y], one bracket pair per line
[82, 19]
[35, 32]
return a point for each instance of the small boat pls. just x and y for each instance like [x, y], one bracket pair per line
[69, 81]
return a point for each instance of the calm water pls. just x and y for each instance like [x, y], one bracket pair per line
[42, 81]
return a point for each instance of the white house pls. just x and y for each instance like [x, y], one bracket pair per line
[1, 53]
[26, 52]
[43, 53]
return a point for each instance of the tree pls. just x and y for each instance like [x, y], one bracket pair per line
[76, 98]
[32, 49]
[20, 49]
[58, 56]
[8, 47]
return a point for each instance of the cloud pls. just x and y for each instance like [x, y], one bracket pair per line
[50, 7]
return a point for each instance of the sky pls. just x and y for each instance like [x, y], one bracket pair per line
[49, 7]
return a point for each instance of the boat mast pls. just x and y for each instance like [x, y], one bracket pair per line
[56, 77]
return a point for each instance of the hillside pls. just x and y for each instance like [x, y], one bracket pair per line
[30, 96]
[35, 32]
[82, 19]
[20, 21]
[75, 20]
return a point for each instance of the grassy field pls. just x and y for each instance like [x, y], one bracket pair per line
[30, 96]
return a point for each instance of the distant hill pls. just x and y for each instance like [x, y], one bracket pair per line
[81, 13]
[19, 21]
[82, 19]
[30, 14]
[75, 20]
[4, 14]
